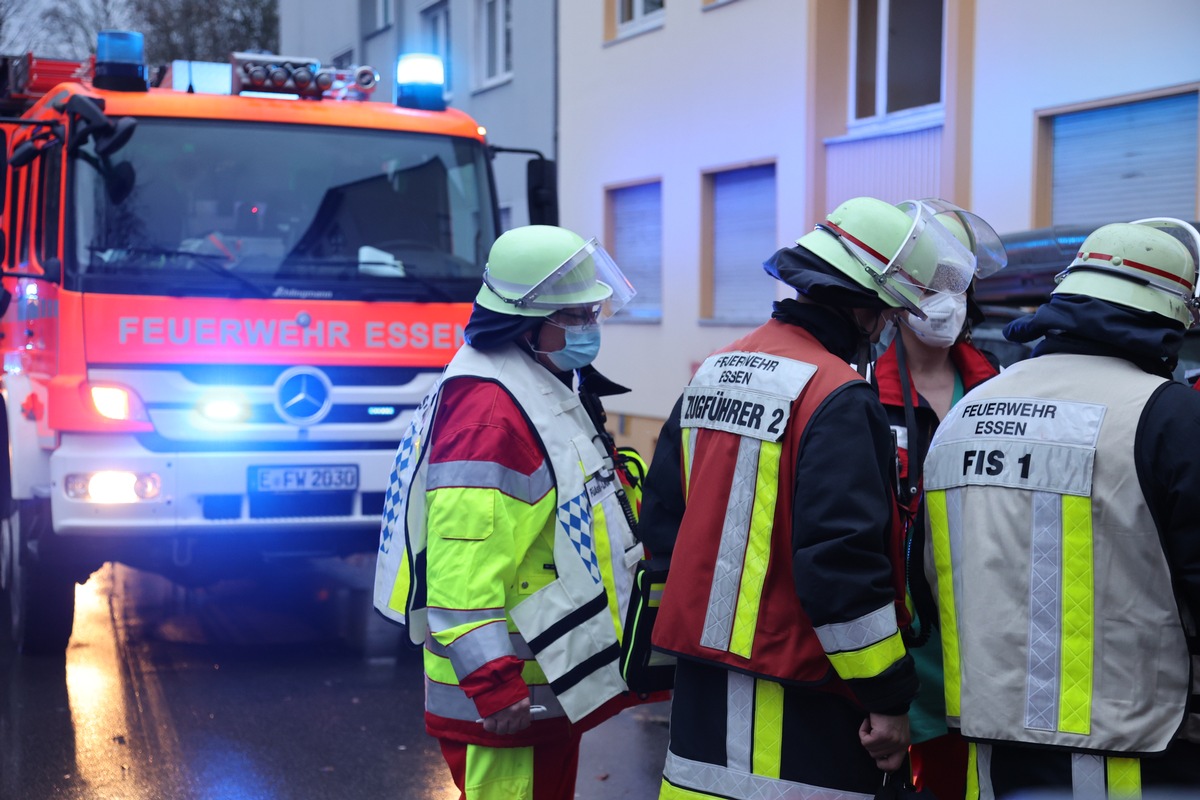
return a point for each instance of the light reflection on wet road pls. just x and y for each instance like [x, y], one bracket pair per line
[241, 693]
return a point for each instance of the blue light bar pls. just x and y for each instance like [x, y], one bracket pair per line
[120, 47]
[420, 68]
[120, 61]
[421, 82]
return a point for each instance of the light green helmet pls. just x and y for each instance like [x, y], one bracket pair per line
[902, 253]
[535, 270]
[1149, 265]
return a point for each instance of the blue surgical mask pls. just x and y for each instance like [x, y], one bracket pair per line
[581, 348]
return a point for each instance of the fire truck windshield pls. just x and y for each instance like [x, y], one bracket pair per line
[204, 208]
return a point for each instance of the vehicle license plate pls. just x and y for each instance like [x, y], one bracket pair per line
[332, 478]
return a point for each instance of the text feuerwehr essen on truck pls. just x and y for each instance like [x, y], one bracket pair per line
[219, 311]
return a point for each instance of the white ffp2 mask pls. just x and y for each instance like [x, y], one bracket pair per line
[945, 315]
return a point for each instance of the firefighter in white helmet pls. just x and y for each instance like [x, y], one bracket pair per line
[771, 494]
[507, 533]
[1064, 517]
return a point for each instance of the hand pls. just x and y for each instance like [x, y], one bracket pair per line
[517, 718]
[886, 739]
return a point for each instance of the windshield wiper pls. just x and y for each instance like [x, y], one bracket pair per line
[206, 260]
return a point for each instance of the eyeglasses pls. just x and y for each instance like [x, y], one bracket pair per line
[576, 317]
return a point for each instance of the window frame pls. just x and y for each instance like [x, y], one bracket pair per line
[49, 208]
[640, 21]
[882, 121]
[635, 313]
[500, 38]
[436, 36]
[1044, 140]
[383, 14]
[709, 314]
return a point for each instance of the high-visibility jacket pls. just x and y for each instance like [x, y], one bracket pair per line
[731, 596]
[1059, 623]
[487, 563]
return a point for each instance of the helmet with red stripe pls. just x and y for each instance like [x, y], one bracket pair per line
[902, 253]
[1149, 265]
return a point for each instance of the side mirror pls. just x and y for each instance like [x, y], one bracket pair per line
[541, 178]
[23, 154]
[110, 141]
[119, 181]
[110, 135]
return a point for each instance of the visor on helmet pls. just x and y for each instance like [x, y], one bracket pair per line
[589, 277]
[929, 260]
[982, 239]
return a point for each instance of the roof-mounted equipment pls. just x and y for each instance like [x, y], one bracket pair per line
[295, 75]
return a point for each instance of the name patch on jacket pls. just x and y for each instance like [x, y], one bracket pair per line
[749, 394]
[1020, 442]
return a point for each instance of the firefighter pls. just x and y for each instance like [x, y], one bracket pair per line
[771, 493]
[926, 368]
[1062, 511]
[518, 539]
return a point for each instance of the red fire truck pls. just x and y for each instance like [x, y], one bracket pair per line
[218, 311]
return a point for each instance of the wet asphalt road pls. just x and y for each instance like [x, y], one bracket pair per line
[248, 691]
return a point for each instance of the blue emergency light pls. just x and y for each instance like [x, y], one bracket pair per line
[421, 82]
[120, 61]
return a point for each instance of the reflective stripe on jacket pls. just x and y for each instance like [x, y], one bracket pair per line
[535, 566]
[731, 596]
[1059, 622]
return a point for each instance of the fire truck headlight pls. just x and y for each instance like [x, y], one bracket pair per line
[224, 409]
[113, 486]
[117, 403]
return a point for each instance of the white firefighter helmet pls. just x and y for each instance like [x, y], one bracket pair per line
[536, 270]
[901, 253]
[1149, 265]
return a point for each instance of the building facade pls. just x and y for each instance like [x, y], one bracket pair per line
[695, 137]
[499, 56]
[698, 136]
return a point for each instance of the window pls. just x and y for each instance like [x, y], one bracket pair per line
[494, 61]
[343, 60]
[3, 169]
[896, 60]
[435, 32]
[635, 241]
[23, 214]
[638, 15]
[51, 191]
[1124, 161]
[383, 14]
[740, 210]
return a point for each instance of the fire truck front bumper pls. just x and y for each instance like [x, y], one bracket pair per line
[112, 485]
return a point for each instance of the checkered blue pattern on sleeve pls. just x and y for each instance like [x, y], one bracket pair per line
[575, 516]
[394, 500]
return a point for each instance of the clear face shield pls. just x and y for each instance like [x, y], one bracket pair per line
[589, 281]
[932, 259]
[982, 239]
